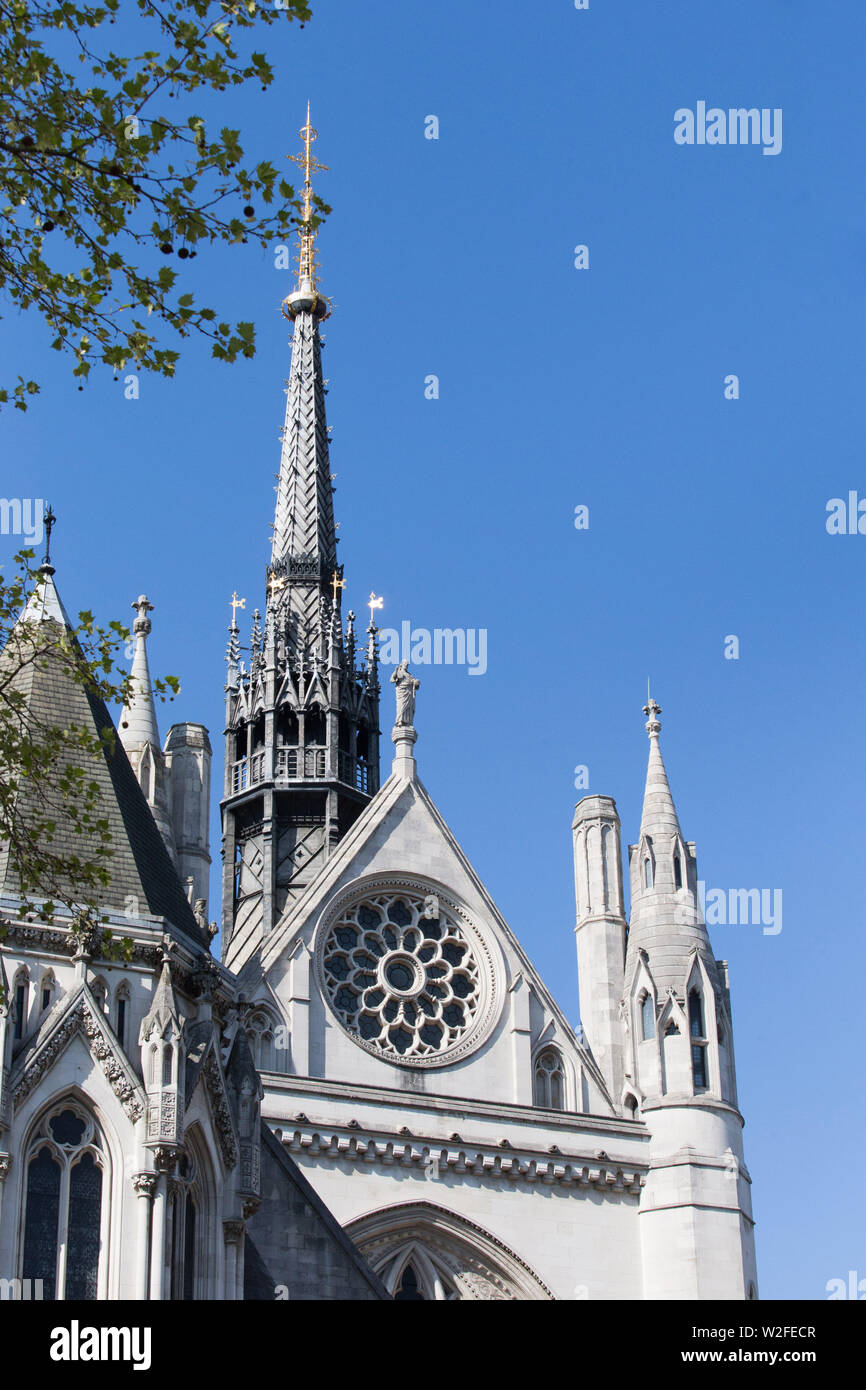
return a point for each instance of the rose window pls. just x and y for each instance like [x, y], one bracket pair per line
[402, 976]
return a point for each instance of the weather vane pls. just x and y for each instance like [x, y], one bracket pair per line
[48, 521]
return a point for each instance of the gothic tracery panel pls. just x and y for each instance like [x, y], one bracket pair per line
[407, 976]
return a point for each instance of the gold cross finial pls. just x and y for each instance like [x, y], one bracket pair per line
[306, 233]
[337, 583]
[276, 582]
[236, 604]
[372, 603]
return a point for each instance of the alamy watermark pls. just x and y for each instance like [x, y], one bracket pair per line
[737, 907]
[853, 1288]
[21, 1290]
[846, 516]
[443, 646]
[736, 126]
[22, 516]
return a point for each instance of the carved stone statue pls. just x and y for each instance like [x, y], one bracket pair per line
[407, 687]
[200, 913]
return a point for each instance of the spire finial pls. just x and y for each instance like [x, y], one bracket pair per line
[142, 607]
[652, 710]
[337, 583]
[306, 296]
[236, 603]
[48, 521]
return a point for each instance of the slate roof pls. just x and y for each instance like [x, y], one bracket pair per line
[140, 866]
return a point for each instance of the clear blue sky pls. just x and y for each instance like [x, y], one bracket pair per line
[560, 387]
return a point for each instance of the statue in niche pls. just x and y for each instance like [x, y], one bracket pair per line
[407, 688]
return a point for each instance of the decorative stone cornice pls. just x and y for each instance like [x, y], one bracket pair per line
[82, 1018]
[432, 1158]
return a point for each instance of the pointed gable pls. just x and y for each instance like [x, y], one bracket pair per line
[402, 841]
[144, 881]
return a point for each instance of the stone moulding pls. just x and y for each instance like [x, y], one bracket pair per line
[431, 1156]
[225, 1129]
[491, 972]
[471, 1252]
[82, 1019]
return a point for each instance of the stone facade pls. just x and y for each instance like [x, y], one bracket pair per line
[374, 1094]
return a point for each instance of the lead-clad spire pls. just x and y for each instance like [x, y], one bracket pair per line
[304, 545]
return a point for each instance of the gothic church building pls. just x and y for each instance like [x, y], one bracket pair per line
[372, 1094]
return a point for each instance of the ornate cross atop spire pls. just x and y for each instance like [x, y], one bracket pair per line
[236, 604]
[305, 296]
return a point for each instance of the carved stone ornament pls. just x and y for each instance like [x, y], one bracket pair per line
[407, 689]
[82, 1019]
[225, 1130]
[5, 1165]
[144, 1184]
[233, 1231]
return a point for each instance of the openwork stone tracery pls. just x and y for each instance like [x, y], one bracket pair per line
[405, 976]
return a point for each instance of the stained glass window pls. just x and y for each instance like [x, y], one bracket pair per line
[63, 1210]
[85, 1206]
[40, 1226]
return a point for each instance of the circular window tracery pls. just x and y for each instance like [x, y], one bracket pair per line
[404, 976]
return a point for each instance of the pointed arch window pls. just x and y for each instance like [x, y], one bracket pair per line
[262, 1036]
[47, 987]
[99, 990]
[647, 872]
[698, 1038]
[678, 870]
[21, 1001]
[121, 1012]
[549, 1080]
[185, 1208]
[409, 1290]
[648, 1017]
[66, 1204]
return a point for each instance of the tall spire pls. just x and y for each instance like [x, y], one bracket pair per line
[138, 721]
[666, 920]
[302, 743]
[659, 812]
[304, 545]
